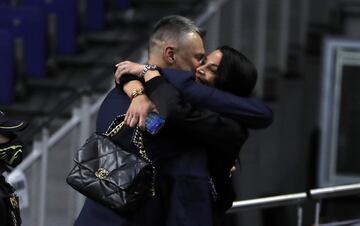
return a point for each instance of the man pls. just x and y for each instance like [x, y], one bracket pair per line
[11, 150]
[182, 189]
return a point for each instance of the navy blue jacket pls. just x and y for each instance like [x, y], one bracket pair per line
[179, 153]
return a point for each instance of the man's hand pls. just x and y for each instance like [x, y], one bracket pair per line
[127, 67]
[138, 110]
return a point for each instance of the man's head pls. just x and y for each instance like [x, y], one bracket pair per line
[176, 42]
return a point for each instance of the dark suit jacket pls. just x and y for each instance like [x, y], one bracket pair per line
[180, 158]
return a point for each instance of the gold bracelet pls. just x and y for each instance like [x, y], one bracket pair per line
[137, 92]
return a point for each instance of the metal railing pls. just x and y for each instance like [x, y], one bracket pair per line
[314, 195]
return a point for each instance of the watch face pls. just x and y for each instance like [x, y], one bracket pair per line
[151, 67]
[148, 67]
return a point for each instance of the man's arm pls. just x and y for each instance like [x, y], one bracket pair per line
[249, 111]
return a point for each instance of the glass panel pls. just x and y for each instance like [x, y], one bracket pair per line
[348, 146]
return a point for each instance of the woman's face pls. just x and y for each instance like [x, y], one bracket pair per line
[207, 71]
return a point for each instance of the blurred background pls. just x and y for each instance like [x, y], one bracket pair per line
[57, 60]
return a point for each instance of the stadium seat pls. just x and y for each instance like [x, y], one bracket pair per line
[122, 4]
[27, 24]
[95, 15]
[65, 12]
[6, 67]
[4, 2]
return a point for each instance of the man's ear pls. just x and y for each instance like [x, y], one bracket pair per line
[169, 54]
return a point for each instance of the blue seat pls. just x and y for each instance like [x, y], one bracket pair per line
[122, 4]
[4, 2]
[66, 21]
[28, 25]
[7, 65]
[95, 15]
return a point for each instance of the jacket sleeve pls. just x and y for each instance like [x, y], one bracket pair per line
[205, 126]
[250, 112]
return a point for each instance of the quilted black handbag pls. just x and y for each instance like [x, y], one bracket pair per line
[111, 175]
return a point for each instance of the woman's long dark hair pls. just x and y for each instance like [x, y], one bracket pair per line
[235, 73]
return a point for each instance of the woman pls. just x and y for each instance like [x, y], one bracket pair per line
[228, 70]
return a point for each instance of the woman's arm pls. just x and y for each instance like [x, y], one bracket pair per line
[251, 112]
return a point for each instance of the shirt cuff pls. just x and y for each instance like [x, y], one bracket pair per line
[153, 84]
[127, 78]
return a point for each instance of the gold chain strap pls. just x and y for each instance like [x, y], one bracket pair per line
[112, 131]
[137, 141]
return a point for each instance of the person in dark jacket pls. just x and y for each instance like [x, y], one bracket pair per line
[11, 151]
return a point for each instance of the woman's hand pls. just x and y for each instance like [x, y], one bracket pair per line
[138, 110]
[127, 67]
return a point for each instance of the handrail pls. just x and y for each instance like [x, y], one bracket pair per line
[272, 201]
[335, 191]
[61, 106]
[54, 138]
[297, 198]
[36, 154]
